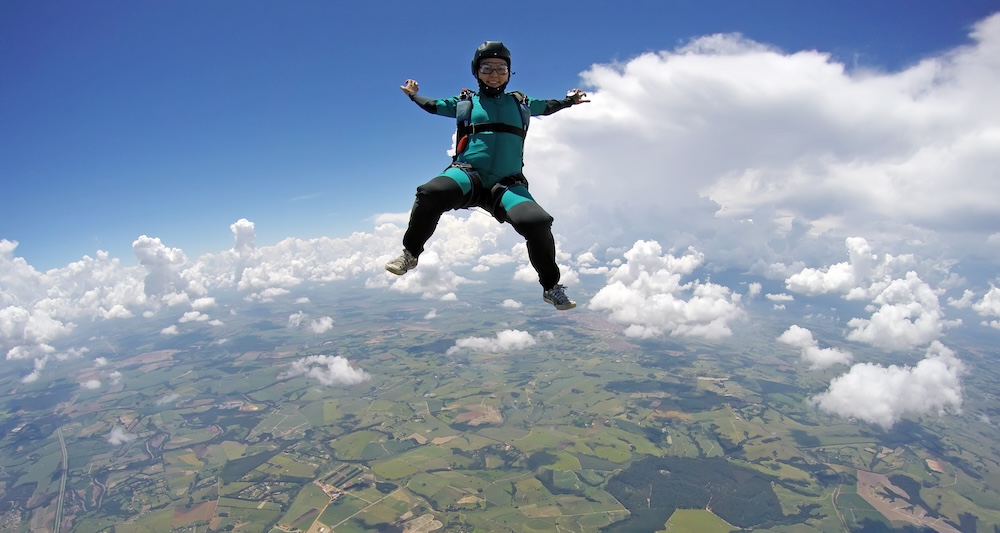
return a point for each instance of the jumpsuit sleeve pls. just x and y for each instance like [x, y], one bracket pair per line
[447, 107]
[547, 107]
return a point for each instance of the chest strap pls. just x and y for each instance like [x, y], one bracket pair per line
[497, 127]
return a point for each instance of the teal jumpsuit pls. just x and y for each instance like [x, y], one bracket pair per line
[489, 158]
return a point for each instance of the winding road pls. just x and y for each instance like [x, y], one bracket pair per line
[57, 527]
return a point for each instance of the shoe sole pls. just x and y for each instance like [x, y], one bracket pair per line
[566, 307]
[396, 271]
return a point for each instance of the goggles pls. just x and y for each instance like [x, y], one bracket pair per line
[486, 68]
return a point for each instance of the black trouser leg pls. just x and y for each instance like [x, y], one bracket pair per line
[432, 200]
[535, 225]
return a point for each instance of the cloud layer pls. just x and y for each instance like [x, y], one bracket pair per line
[866, 187]
[756, 154]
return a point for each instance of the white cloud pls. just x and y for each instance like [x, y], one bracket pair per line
[646, 293]
[801, 338]
[989, 306]
[193, 316]
[965, 301]
[505, 341]
[882, 395]
[201, 304]
[327, 369]
[37, 371]
[244, 248]
[28, 352]
[321, 325]
[511, 304]
[782, 297]
[169, 398]
[317, 326]
[163, 266]
[431, 314]
[36, 327]
[169, 330]
[119, 436]
[907, 314]
[753, 154]
[295, 320]
[100, 361]
[840, 278]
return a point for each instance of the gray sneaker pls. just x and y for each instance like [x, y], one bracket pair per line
[557, 297]
[402, 264]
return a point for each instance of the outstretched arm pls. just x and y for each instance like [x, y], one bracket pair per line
[436, 107]
[576, 96]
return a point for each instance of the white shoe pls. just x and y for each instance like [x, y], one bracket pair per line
[402, 264]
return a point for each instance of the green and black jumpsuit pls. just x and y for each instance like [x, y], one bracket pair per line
[490, 158]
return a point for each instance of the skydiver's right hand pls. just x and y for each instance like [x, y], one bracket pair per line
[410, 87]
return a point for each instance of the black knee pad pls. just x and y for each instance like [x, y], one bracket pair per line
[441, 194]
[528, 219]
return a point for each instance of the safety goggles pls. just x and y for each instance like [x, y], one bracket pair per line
[487, 68]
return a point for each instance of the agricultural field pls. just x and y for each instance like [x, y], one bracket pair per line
[218, 436]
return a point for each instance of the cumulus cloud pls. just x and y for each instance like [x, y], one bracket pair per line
[646, 293]
[245, 247]
[321, 325]
[507, 340]
[989, 307]
[906, 314]
[761, 156]
[511, 304]
[193, 316]
[905, 311]
[327, 369]
[163, 266]
[801, 338]
[316, 327]
[295, 320]
[119, 436]
[36, 371]
[201, 304]
[838, 278]
[26, 332]
[91, 384]
[883, 395]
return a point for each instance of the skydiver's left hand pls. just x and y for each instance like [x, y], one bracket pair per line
[577, 96]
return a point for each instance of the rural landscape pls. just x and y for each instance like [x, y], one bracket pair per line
[579, 428]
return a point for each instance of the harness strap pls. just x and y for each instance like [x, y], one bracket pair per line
[498, 190]
[478, 196]
[498, 127]
[465, 127]
[472, 197]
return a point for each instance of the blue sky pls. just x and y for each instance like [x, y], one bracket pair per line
[175, 119]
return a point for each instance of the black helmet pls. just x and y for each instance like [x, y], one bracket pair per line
[490, 49]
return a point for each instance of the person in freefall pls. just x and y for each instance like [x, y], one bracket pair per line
[486, 170]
